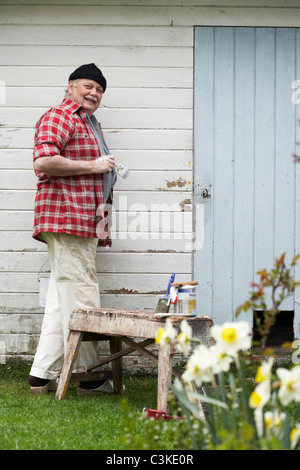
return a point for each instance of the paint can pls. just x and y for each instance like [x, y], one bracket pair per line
[186, 299]
[44, 284]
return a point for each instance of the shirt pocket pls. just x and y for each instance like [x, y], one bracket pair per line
[78, 145]
[80, 133]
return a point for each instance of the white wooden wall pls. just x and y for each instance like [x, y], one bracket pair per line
[145, 50]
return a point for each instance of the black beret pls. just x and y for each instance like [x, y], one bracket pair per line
[90, 71]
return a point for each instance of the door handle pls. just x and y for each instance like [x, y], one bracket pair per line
[205, 194]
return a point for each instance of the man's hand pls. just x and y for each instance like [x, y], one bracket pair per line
[104, 164]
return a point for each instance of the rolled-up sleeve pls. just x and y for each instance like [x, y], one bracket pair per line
[53, 132]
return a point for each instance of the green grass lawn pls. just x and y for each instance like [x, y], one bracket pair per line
[30, 422]
[104, 422]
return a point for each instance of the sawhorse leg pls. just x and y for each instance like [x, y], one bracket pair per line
[117, 372]
[75, 339]
[164, 378]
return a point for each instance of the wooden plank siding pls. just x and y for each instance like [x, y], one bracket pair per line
[147, 118]
[145, 49]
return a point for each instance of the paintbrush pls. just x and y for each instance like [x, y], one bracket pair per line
[163, 304]
[121, 170]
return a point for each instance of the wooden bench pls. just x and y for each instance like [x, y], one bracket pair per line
[118, 326]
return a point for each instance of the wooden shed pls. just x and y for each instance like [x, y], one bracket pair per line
[202, 106]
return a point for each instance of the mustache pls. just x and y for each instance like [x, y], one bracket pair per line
[91, 98]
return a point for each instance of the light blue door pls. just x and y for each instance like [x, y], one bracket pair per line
[245, 132]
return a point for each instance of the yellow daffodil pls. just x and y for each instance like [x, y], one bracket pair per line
[260, 395]
[223, 360]
[295, 436]
[160, 335]
[167, 335]
[274, 422]
[232, 337]
[200, 366]
[184, 338]
[258, 399]
[264, 371]
[289, 385]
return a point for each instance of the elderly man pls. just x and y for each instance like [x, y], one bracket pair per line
[75, 179]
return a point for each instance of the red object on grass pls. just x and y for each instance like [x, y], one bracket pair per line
[157, 414]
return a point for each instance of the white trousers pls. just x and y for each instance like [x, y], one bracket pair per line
[73, 284]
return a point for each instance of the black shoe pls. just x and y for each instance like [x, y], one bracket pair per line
[39, 386]
[89, 385]
[95, 388]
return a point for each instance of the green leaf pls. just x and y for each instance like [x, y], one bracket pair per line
[206, 399]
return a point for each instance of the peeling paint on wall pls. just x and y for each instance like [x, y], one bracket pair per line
[180, 183]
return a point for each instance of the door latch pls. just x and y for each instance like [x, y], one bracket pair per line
[205, 194]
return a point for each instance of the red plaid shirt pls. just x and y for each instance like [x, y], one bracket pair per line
[67, 204]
